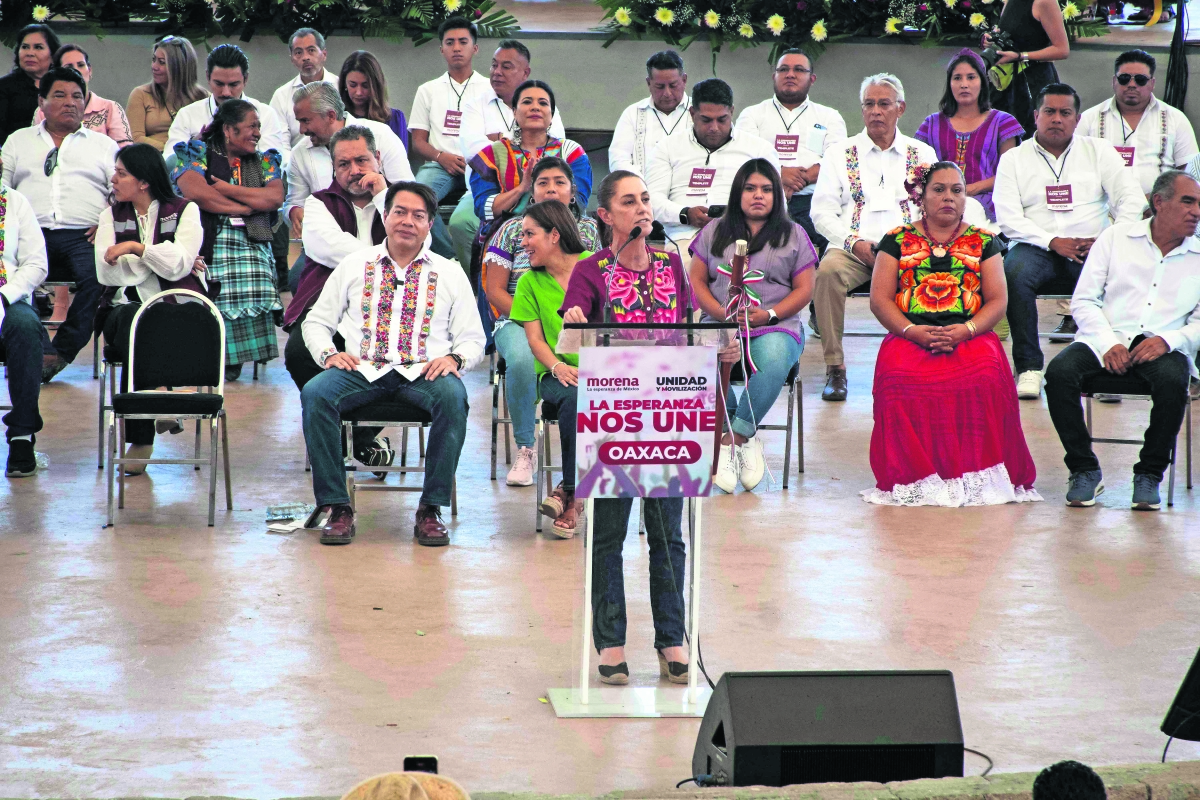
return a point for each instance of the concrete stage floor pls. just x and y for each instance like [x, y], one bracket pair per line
[164, 658]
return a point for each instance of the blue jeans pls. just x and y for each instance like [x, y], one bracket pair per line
[334, 391]
[1029, 270]
[774, 354]
[73, 258]
[21, 351]
[520, 380]
[442, 183]
[564, 399]
[667, 554]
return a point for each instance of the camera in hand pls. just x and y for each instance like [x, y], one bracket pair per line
[1001, 41]
[716, 211]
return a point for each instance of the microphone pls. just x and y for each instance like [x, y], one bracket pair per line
[687, 281]
[633, 236]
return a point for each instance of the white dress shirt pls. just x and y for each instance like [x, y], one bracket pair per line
[842, 214]
[684, 173]
[641, 129]
[440, 106]
[311, 167]
[281, 104]
[1128, 287]
[170, 261]
[24, 265]
[453, 321]
[800, 136]
[1162, 140]
[1100, 187]
[73, 195]
[324, 240]
[193, 119]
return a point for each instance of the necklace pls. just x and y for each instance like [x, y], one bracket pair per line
[939, 248]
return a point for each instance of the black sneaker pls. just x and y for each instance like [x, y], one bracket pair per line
[1065, 332]
[232, 372]
[1145, 493]
[22, 463]
[378, 453]
[812, 321]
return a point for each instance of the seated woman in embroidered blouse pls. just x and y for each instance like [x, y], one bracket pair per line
[504, 262]
[99, 115]
[779, 278]
[502, 172]
[239, 192]
[147, 242]
[947, 427]
[553, 245]
[644, 288]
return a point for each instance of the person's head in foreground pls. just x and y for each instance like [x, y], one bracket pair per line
[1068, 780]
[407, 786]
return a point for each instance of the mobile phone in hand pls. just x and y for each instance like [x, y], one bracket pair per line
[421, 764]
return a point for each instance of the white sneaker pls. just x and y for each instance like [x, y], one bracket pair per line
[521, 473]
[726, 478]
[1029, 385]
[753, 465]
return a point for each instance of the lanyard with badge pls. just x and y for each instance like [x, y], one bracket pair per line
[658, 117]
[787, 144]
[702, 178]
[453, 122]
[1058, 196]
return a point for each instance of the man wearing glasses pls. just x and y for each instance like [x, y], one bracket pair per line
[799, 130]
[411, 327]
[65, 171]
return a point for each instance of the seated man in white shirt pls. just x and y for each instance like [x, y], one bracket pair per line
[1054, 194]
[409, 345]
[487, 116]
[860, 197]
[662, 115]
[800, 131]
[306, 48]
[690, 174]
[321, 114]
[23, 264]
[65, 171]
[1137, 304]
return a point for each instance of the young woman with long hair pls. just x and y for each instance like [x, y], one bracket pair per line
[173, 85]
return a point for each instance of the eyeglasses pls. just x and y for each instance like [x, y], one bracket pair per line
[1141, 80]
[51, 162]
[797, 70]
[883, 105]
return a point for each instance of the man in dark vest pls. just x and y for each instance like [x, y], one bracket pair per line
[339, 220]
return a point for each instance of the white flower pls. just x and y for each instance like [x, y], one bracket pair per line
[775, 24]
[746, 30]
[1070, 11]
[819, 32]
[977, 19]
[40, 13]
[665, 15]
[621, 15]
[892, 25]
[452, 5]
[712, 19]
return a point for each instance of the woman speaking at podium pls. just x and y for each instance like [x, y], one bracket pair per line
[637, 283]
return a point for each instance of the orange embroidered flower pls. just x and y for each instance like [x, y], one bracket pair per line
[970, 282]
[915, 256]
[971, 244]
[971, 302]
[938, 291]
[904, 300]
[907, 281]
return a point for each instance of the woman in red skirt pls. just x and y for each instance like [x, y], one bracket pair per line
[947, 426]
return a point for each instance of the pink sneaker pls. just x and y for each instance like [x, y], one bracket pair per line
[521, 473]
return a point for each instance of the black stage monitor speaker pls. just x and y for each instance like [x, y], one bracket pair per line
[1183, 720]
[780, 728]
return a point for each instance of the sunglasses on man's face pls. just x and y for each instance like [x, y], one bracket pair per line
[51, 162]
[1124, 78]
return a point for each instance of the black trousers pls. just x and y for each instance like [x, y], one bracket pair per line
[73, 259]
[115, 322]
[1168, 378]
[798, 210]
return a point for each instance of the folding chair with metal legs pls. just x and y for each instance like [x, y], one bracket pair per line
[795, 416]
[546, 467]
[500, 413]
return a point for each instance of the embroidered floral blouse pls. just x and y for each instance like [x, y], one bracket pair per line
[193, 156]
[648, 296]
[939, 290]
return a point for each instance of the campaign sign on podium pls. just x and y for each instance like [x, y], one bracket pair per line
[646, 417]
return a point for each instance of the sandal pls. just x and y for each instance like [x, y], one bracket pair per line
[555, 503]
[569, 519]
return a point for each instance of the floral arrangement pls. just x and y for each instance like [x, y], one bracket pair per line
[417, 20]
[944, 21]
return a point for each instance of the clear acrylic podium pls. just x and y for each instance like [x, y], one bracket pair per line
[597, 479]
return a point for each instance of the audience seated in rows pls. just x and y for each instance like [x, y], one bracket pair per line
[663, 115]
[65, 171]
[409, 346]
[507, 259]
[780, 267]
[102, 116]
[306, 48]
[152, 107]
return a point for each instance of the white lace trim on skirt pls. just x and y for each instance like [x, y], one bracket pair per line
[989, 487]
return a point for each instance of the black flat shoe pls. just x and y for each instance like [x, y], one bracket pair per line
[674, 671]
[617, 676]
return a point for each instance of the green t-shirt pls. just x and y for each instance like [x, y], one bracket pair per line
[538, 299]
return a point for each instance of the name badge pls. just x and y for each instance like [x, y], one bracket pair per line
[1127, 154]
[237, 222]
[787, 146]
[701, 181]
[453, 123]
[1059, 198]
[816, 139]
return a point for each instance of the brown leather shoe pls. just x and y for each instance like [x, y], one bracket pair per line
[340, 527]
[835, 383]
[52, 365]
[429, 529]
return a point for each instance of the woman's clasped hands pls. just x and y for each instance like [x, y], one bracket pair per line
[938, 339]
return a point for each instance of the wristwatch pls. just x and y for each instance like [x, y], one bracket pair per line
[458, 359]
[683, 216]
[772, 317]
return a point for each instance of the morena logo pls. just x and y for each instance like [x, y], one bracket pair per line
[623, 383]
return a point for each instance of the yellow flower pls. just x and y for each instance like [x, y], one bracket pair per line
[951, 3]
[622, 16]
[1070, 11]
[452, 5]
[977, 19]
[40, 13]
[775, 24]
[712, 19]
[665, 15]
[818, 32]
[746, 30]
[892, 25]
